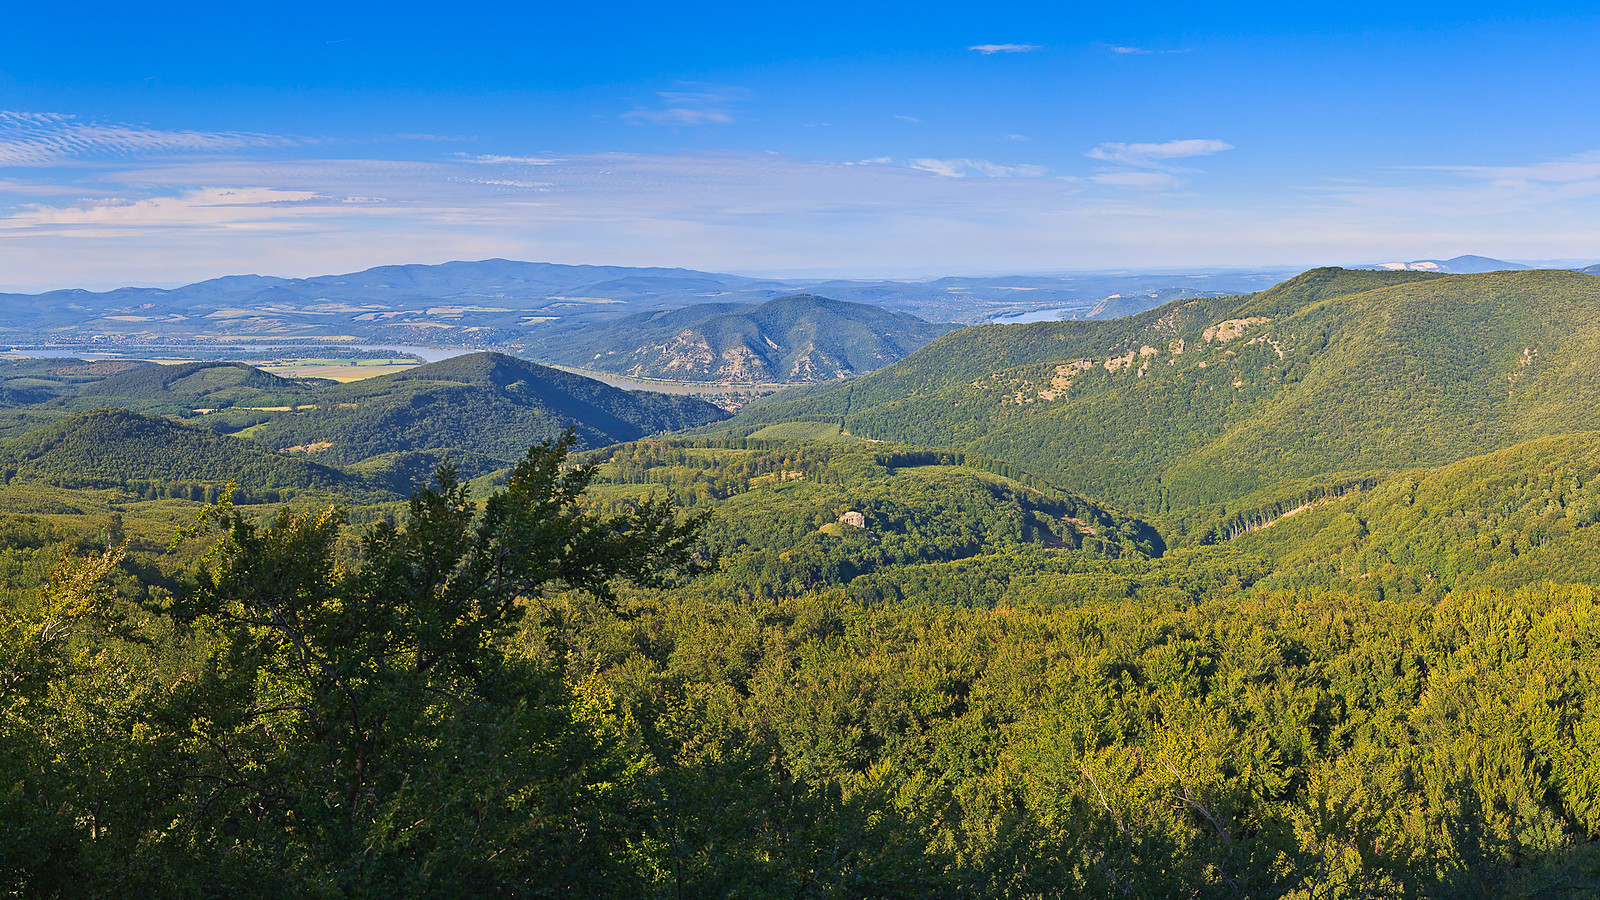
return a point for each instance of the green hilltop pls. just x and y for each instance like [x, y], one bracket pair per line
[792, 517]
[482, 410]
[486, 404]
[1206, 401]
[115, 448]
[1516, 516]
[801, 338]
[195, 384]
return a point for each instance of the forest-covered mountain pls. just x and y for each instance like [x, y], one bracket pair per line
[481, 410]
[117, 448]
[27, 382]
[803, 338]
[485, 404]
[1208, 401]
[182, 388]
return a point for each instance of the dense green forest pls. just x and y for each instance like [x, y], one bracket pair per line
[29, 382]
[1207, 401]
[1219, 647]
[986, 689]
[114, 447]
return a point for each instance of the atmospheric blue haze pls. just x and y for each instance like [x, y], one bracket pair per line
[183, 141]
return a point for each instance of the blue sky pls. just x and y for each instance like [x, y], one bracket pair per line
[158, 147]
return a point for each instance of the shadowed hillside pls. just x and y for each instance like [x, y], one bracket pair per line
[486, 406]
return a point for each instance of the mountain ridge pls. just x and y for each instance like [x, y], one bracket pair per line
[1202, 400]
[485, 409]
[795, 338]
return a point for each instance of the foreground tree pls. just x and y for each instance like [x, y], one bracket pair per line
[335, 723]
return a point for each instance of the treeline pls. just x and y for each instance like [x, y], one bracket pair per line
[146, 489]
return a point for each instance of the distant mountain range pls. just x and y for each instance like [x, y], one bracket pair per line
[499, 304]
[803, 338]
[1466, 265]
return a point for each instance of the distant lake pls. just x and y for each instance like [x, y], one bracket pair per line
[428, 354]
[1038, 315]
[56, 353]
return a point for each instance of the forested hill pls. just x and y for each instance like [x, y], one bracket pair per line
[202, 384]
[117, 448]
[1208, 401]
[481, 410]
[797, 516]
[788, 339]
[28, 382]
[485, 405]
[1526, 513]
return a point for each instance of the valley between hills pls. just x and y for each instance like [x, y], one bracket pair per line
[1287, 592]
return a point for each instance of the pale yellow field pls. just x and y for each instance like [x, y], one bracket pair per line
[343, 372]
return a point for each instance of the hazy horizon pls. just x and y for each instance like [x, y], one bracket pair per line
[141, 148]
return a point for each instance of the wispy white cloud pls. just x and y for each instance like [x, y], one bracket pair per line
[1125, 50]
[991, 49]
[514, 160]
[907, 118]
[1138, 180]
[680, 115]
[32, 139]
[1148, 167]
[1582, 167]
[1156, 156]
[510, 182]
[1473, 191]
[228, 208]
[962, 167]
[705, 105]
[445, 138]
[171, 216]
